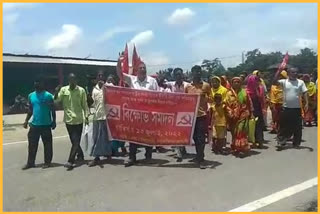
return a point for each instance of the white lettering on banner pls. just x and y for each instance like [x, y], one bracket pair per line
[162, 118]
[139, 116]
[134, 115]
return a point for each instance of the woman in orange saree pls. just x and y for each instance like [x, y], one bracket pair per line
[238, 112]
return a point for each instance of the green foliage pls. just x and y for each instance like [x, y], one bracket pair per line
[306, 61]
[212, 68]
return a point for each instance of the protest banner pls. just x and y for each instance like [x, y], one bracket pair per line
[150, 118]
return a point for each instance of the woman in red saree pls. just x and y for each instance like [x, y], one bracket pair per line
[312, 92]
[238, 112]
[262, 90]
[257, 98]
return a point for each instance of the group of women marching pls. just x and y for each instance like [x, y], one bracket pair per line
[241, 105]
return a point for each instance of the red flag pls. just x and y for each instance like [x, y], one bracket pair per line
[124, 64]
[135, 61]
[125, 61]
[284, 63]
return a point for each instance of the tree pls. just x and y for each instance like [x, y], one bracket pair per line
[212, 67]
[167, 73]
[306, 60]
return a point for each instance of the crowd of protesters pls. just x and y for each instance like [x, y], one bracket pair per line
[238, 105]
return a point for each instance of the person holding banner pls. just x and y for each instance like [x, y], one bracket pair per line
[101, 143]
[178, 87]
[115, 143]
[290, 116]
[111, 80]
[141, 82]
[197, 86]
[74, 102]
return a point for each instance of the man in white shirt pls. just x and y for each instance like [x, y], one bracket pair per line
[290, 117]
[178, 86]
[142, 82]
[101, 144]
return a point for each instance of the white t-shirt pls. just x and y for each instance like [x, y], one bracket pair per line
[149, 83]
[176, 88]
[292, 90]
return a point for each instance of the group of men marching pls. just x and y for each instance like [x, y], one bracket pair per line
[225, 105]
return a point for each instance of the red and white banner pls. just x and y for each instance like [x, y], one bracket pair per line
[149, 117]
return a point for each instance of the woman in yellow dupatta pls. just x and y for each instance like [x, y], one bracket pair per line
[312, 91]
[217, 88]
[239, 110]
[276, 101]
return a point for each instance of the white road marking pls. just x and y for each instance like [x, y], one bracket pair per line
[25, 141]
[252, 206]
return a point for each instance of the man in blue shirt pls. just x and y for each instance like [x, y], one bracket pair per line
[41, 108]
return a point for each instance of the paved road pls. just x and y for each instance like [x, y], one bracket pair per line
[226, 184]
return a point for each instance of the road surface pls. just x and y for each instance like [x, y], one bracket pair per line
[267, 180]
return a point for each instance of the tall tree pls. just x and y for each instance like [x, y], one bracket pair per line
[212, 67]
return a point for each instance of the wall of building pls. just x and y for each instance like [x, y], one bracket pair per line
[18, 77]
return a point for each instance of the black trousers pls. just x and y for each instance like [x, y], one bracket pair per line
[133, 151]
[259, 136]
[75, 132]
[199, 136]
[33, 141]
[290, 124]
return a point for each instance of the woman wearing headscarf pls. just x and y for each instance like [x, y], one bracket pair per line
[224, 82]
[312, 98]
[276, 101]
[257, 99]
[217, 87]
[263, 91]
[238, 106]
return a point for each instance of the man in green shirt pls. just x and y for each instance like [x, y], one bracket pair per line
[74, 102]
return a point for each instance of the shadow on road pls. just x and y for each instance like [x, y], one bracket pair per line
[165, 163]
[53, 165]
[279, 149]
[246, 155]
[209, 165]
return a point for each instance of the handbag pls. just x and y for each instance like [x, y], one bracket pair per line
[86, 142]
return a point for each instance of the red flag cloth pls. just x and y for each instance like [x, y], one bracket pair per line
[125, 61]
[124, 64]
[135, 61]
[284, 63]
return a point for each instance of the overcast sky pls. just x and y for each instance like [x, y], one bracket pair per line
[166, 35]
